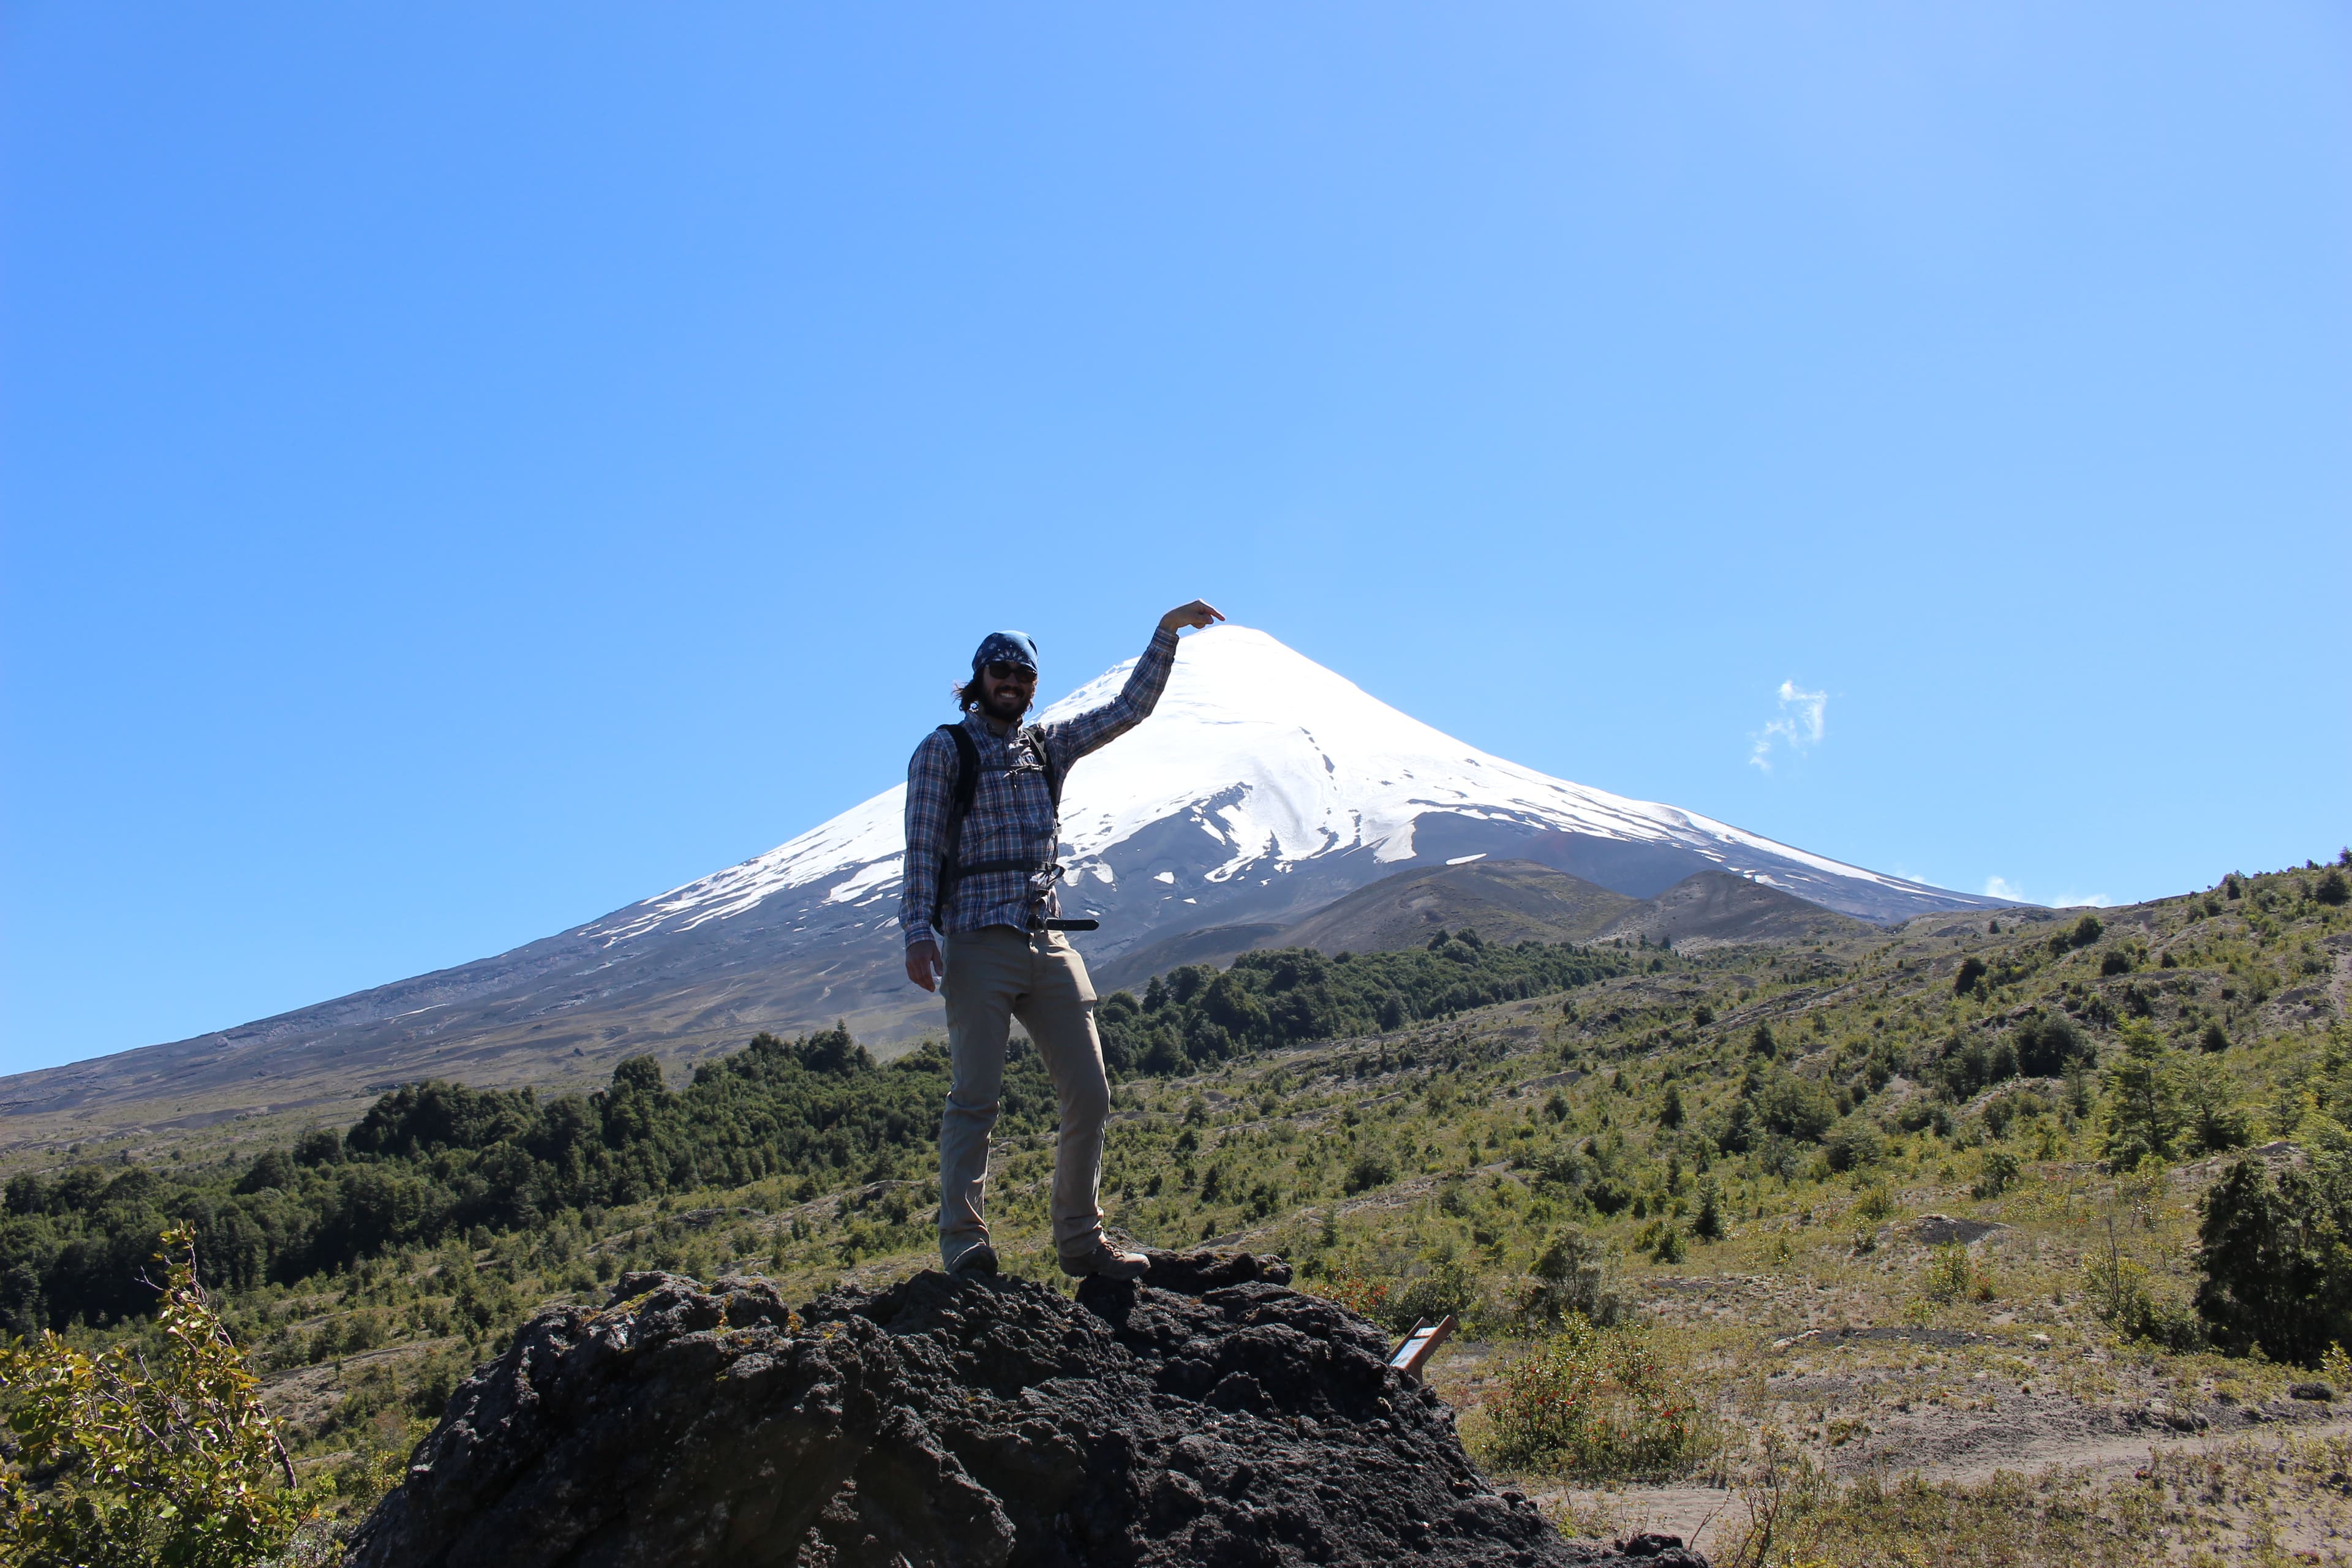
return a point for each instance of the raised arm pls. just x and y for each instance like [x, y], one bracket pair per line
[1075, 736]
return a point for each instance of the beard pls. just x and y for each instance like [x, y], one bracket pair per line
[1005, 707]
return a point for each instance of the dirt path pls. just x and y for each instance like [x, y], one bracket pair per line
[1711, 1517]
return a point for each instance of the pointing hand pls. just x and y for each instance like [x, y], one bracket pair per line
[1196, 614]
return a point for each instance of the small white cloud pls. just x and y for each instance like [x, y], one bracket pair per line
[2082, 901]
[1800, 725]
[2003, 888]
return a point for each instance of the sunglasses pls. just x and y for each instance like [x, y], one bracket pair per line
[999, 670]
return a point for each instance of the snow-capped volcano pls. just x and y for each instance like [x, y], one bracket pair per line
[1262, 788]
[1265, 783]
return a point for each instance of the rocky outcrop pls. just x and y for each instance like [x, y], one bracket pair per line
[1210, 1415]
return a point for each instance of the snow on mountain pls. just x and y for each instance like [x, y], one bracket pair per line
[1264, 788]
[1261, 770]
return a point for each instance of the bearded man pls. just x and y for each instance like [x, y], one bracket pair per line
[983, 840]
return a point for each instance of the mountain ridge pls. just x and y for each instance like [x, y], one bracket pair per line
[1264, 788]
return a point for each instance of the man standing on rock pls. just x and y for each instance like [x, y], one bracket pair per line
[983, 840]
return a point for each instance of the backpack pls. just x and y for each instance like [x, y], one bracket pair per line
[967, 787]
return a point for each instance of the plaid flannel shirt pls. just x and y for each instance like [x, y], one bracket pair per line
[1011, 814]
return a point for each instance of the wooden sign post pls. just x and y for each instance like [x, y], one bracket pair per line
[1419, 1344]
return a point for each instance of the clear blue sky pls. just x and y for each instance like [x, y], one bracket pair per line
[468, 467]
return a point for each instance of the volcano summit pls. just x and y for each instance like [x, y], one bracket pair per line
[1262, 788]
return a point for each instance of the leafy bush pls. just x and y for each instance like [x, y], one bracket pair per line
[2277, 1258]
[1853, 1143]
[2086, 930]
[1663, 1241]
[1572, 1282]
[1999, 1175]
[180, 1466]
[1593, 1404]
[1446, 1287]
[2331, 887]
[1951, 1277]
[2041, 1047]
[2120, 1294]
[1777, 1102]
[1972, 969]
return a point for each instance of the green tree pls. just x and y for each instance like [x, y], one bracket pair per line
[179, 1466]
[1708, 1223]
[2143, 1100]
[2215, 1118]
[2277, 1258]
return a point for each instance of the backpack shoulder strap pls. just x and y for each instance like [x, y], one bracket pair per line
[1053, 770]
[960, 799]
[967, 778]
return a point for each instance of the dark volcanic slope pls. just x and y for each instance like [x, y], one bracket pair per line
[1504, 901]
[1715, 908]
[1219, 945]
[1208, 1416]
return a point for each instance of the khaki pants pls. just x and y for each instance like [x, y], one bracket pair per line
[994, 975]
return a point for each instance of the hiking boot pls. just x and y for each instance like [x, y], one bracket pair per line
[978, 1258]
[1106, 1262]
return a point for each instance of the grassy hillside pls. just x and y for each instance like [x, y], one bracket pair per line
[1922, 1199]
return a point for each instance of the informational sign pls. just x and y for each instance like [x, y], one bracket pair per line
[1421, 1344]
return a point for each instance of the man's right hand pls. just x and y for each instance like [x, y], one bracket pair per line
[923, 964]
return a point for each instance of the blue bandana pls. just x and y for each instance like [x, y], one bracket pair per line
[1005, 647]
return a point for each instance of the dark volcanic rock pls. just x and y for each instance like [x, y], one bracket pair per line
[1208, 1415]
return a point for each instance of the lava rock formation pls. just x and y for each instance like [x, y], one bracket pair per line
[1208, 1415]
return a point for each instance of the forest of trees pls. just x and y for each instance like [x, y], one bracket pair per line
[434, 1160]
[431, 1161]
[1282, 997]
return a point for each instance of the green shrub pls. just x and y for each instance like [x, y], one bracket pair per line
[1593, 1404]
[1949, 1277]
[1708, 1223]
[177, 1465]
[2120, 1294]
[2000, 1174]
[1572, 1282]
[1853, 1143]
[1445, 1288]
[2277, 1259]
[1663, 1241]
[2086, 930]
